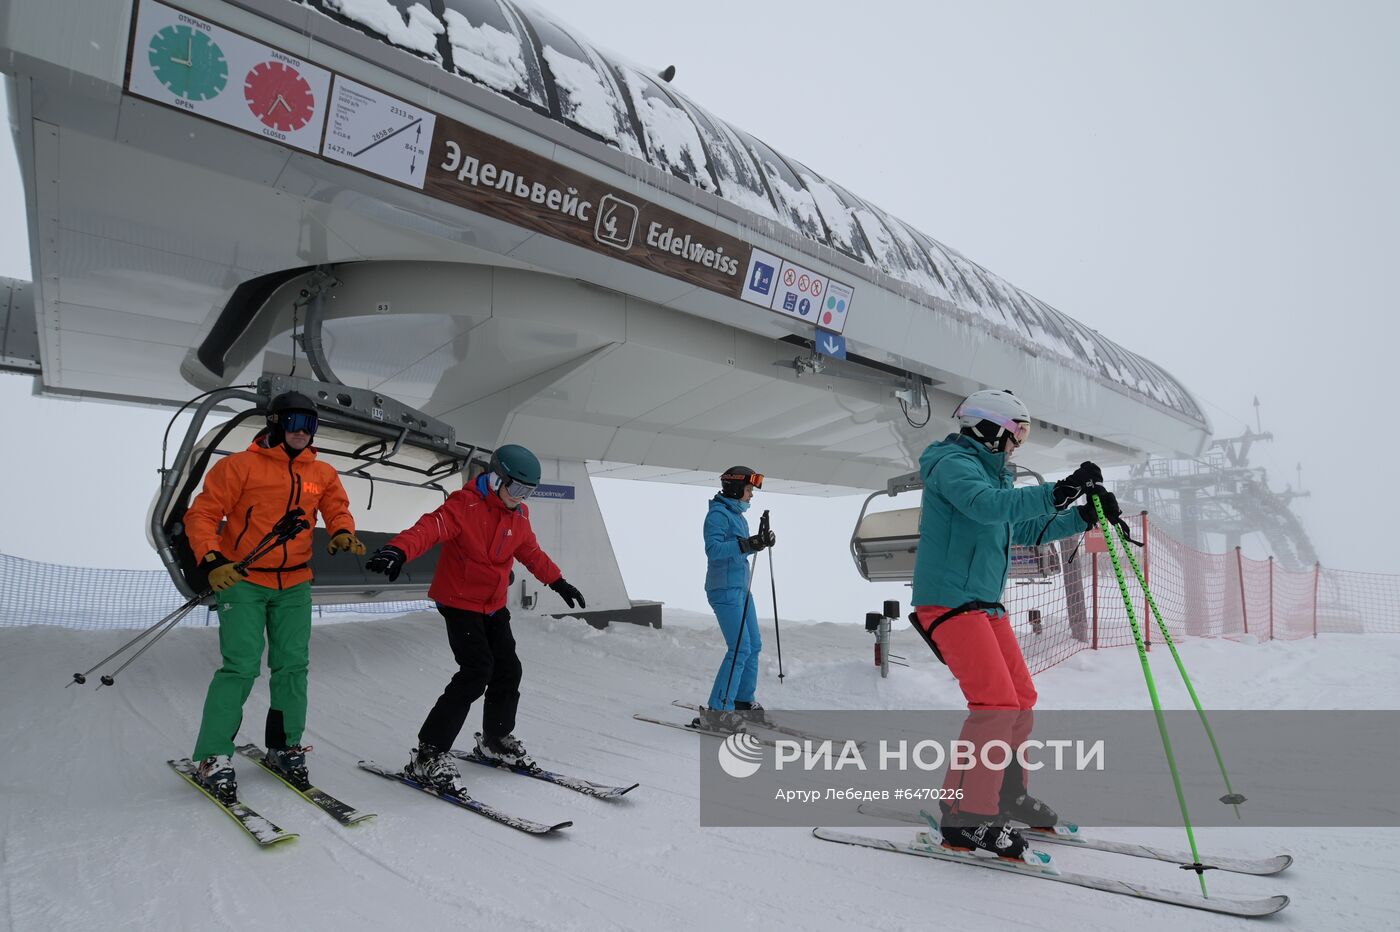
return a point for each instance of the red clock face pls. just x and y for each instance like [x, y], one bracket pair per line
[279, 96]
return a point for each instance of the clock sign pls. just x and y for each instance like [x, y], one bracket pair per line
[279, 96]
[189, 63]
[193, 66]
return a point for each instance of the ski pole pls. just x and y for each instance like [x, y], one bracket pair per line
[288, 526]
[81, 678]
[1197, 866]
[777, 631]
[109, 679]
[1230, 797]
[744, 615]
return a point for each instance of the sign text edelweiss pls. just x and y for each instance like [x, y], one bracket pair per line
[488, 175]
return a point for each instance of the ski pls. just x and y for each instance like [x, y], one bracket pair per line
[263, 831]
[685, 726]
[343, 813]
[1069, 834]
[577, 784]
[925, 847]
[467, 802]
[767, 724]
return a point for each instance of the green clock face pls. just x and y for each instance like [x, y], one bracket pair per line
[188, 62]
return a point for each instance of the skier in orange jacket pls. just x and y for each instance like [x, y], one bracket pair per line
[270, 600]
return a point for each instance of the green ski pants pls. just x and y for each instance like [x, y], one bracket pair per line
[245, 612]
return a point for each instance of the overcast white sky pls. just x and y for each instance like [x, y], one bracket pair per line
[1211, 184]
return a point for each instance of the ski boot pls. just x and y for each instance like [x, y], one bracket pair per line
[752, 712]
[290, 764]
[1034, 813]
[507, 749]
[215, 774]
[984, 833]
[718, 720]
[434, 768]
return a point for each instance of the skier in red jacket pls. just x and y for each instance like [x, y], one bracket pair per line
[484, 529]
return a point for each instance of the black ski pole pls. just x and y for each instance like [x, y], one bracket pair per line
[777, 631]
[744, 615]
[109, 679]
[290, 525]
[81, 678]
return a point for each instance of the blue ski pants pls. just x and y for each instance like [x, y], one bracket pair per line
[738, 674]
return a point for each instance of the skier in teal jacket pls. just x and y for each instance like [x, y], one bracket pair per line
[972, 515]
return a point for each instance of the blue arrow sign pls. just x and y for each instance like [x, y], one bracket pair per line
[831, 344]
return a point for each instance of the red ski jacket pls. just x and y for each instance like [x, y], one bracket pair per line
[481, 538]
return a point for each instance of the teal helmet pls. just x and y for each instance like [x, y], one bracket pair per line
[517, 468]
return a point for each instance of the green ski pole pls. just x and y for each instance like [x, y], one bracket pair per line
[1231, 797]
[1197, 866]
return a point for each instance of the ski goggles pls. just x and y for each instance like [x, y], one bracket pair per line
[298, 422]
[1019, 430]
[754, 479]
[517, 490]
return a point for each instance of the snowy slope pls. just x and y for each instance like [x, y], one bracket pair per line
[99, 834]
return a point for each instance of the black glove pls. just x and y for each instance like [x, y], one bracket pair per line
[568, 593]
[1072, 486]
[387, 560]
[501, 616]
[757, 542]
[1111, 511]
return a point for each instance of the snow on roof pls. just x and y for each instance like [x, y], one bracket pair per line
[840, 220]
[418, 32]
[719, 159]
[671, 135]
[586, 99]
[493, 57]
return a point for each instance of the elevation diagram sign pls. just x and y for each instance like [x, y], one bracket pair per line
[189, 63]
[377, 133]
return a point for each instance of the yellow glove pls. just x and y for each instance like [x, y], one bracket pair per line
[344, 540]
[223, 574]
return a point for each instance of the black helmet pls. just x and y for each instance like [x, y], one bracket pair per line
[290, 410]
[733, 480]
[291, 401]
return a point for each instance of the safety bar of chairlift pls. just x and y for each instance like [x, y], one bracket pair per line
[906, 482]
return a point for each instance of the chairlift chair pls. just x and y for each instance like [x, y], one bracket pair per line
[885, 544]
[395, 462]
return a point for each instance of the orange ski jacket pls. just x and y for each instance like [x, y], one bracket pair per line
[254, 489]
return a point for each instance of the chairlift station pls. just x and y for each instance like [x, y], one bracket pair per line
[463, 210]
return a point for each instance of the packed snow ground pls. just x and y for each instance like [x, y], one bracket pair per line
[99, 834]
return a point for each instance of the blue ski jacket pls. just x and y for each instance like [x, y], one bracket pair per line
[724, 525]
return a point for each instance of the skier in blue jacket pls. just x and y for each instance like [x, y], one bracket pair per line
[728, 545]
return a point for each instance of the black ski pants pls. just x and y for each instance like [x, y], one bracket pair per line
[486, 663]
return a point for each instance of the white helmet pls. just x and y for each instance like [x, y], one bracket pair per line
[989, 416]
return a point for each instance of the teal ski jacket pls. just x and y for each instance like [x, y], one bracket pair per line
[972, 514]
